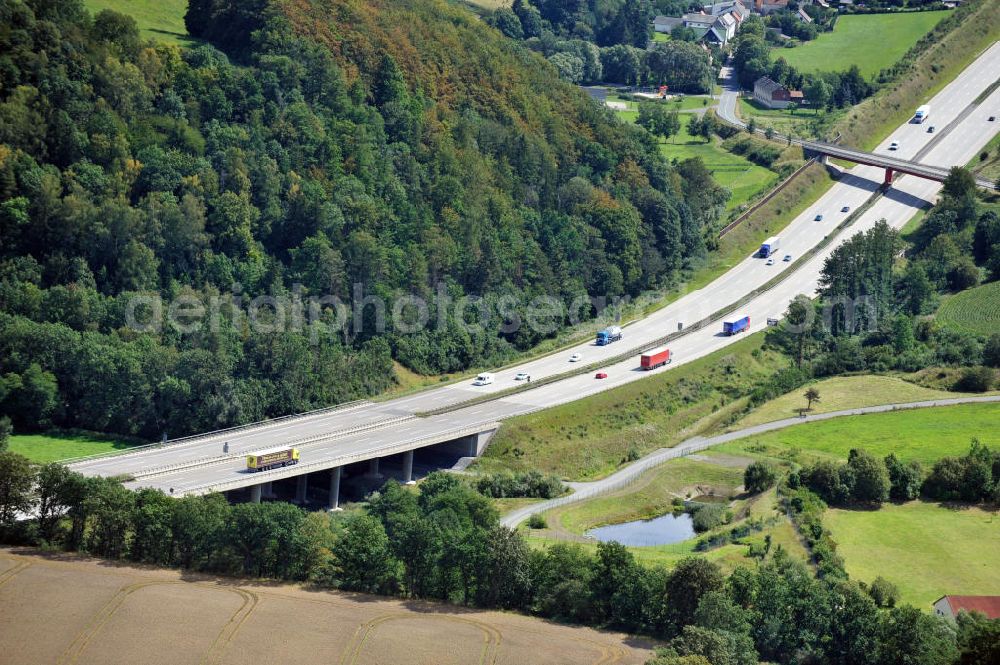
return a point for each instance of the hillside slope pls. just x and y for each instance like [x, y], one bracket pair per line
[333, 148]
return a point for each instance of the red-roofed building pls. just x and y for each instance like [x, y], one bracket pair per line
[950, 606]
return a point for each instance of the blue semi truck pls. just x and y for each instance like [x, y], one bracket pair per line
[608, 335]
[769, 247]
[737, 326]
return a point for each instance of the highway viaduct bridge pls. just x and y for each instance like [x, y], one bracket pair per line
[366, 440]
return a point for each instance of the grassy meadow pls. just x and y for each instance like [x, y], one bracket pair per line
[866, 124]
[975, 310]
[925, 435]
[870, 41]
[925, 549]
[843, 392]
[159, 20]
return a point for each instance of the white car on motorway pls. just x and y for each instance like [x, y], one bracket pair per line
[522, 376]
[894, 145]
[576, 357]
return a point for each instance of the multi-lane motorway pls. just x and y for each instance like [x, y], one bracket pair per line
[364, 430]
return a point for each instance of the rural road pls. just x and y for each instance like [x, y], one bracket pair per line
[619, 479]
[331, 438]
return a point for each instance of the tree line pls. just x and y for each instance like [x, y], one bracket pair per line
[869, 481]
[445, 542]
[289, 165]
[605, 41]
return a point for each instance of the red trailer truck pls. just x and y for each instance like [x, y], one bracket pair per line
[654, 360]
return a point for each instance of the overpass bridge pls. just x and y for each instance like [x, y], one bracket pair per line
[892, 165]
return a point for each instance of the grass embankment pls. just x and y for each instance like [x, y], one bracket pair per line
[925, 549]
[870, 41]
[934, 67]
[44, 448]
[651, 496]
[974, 311]
[990, 167]
[925, 435]
[843, 392]
[159, 20]
[591, 437]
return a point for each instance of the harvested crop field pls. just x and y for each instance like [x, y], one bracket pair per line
[63, 609]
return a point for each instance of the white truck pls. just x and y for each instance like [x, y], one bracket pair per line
[922, 113]
[483, 379]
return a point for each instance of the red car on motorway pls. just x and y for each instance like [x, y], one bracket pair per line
[601, 375]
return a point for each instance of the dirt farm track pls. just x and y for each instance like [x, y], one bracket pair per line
[65, 609]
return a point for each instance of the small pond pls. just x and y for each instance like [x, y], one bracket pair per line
[663, 530]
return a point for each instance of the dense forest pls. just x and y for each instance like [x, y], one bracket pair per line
[303, 149]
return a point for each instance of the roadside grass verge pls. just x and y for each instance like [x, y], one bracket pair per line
[592, 437]
[843, 392]
[159, 20]
[990, 167]
[924, 435]
[927, 550]
[54, 447]
[867, 123]
[870, 41]
[766, 221]
[975, 311]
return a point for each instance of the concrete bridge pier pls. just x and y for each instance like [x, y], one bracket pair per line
[255, 493]
[475, 444]
[301, 486]
[268, 490]
[888, 177]
[334, 499]
[408, 468]
[373, 469]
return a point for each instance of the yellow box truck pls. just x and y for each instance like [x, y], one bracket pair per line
[272, 458]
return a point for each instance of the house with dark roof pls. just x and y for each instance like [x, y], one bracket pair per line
[949, 606]
[666, 24]
[765, 7]
[773, 95]
[698, 20]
